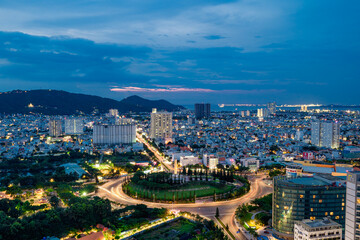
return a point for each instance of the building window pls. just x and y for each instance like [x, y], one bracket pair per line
[312, 218]
[311, 209]
[331, 213]
[337, 217]
[320, 200]
[314, 196]
[326, 213]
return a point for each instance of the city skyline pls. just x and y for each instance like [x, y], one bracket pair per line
[212, 51]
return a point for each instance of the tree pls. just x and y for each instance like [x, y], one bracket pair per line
[217, 213]
[54, 201]
[13, 190]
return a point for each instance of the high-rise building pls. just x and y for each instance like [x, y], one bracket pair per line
[295, 199]
[271, 107]
[262, 113]
[317, 229]
[114, 134]
[55, 127]
[299, 135]
[113, 112]
[161, 125]
[303, 108]
[325, 134]
[352, 227]
[202, 110]
[210, 161]
[74, 126]
[190, 120]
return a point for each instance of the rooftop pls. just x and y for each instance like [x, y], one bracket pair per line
[308, 181]
[319, 223]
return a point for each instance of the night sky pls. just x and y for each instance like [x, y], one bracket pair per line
[185, 51]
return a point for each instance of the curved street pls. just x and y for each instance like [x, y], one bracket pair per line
[113, 191]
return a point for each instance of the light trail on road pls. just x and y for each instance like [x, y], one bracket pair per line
[113, 191]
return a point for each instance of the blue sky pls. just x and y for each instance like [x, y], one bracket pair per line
[185, 51]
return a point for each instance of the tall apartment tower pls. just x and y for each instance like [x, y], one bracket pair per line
[325, 134]
[55, 127]
[271, 107]
[352, 221]
[161, 125]
[114, 134]
[262, 113]
[113, 112]
[74, 126]
[202, 110]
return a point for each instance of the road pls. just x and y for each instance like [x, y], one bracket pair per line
[112, 190]
[156, 152]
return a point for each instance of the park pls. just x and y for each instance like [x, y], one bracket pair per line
[189, 186]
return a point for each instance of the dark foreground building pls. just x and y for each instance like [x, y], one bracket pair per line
[299, 198]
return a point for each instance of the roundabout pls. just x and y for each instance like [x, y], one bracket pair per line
[113, 191]
[169, 188]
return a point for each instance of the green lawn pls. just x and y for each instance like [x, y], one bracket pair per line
[173, 230]
[201, 189]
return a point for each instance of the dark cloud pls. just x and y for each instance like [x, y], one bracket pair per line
[224, 74]
[213, 37]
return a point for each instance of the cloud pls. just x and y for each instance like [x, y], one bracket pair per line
[154, 90]
[181, 74]
[246, 82]
[213, 37]
[197, 90]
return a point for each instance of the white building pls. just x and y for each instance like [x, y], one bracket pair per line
[189, 160]
[299, 135]
[176, 156]
[263, 113]
[210, 161]
[114, 134]
[352, 221]
[303, 108]
[113, 112]
[317, 229]
[161, 125]
[252, 163]
[74, 126]
[55, 127]
[325, 134]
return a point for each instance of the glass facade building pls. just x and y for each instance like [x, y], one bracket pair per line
[299, 198]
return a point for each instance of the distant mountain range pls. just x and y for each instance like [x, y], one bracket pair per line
[54, 102]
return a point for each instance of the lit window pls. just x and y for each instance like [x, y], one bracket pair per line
[326, 213]
[314, 196]
[277, 206]
[301, 196]
[337, 217]
[342, 204]
[331, 213]
[312, 218]
[320, 200]
[358, 200]
[286, 207]
[311, 209]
